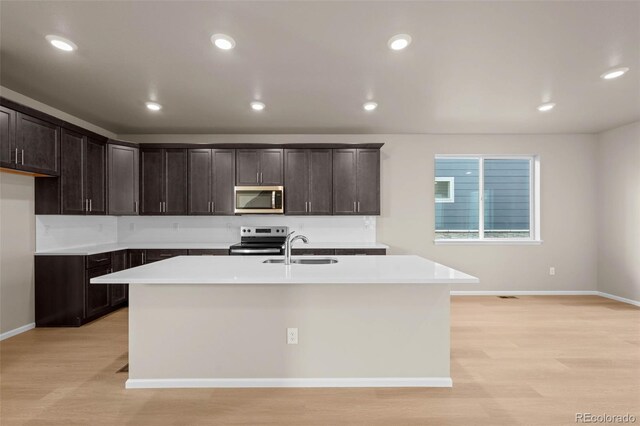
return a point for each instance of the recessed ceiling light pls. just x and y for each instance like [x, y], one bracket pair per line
[369, 106]
[153, 106]
[257, 106]
[61, 43]
[614, 73]
[223, 41]
[399, 42]
[548, 106]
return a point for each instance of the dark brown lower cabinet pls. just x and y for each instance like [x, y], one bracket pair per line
[154, 255]
[64, 296]
[361, 252]
[312, 252]
[119, 292]
[208, 252]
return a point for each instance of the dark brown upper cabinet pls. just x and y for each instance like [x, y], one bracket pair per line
[308, 181]
[211, 181]
[7, 138]
[81, 187]
[262, 167]
[163, 177]
[123, 174]
[356, 181]
[29, 144]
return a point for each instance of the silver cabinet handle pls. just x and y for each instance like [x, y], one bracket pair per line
[309, 206]
[16, 160]
[22, 158]
[261, 180]
[144, 257]
[86, 205]
[90, 206]
[306, 206]
[164, 203]
[354, 207]
[212, 207]
[358, 206]
[257, 177]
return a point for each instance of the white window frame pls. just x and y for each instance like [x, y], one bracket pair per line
[452, 191]
[534, 202]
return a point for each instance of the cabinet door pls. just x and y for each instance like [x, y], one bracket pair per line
[368, 181]
[248, 167]
[96, 177]
[152, 183]
[118, 291]
[72, 173]
[320, 181]
[135, 257]
[154, 255]
[223, 181]
[38, 144]
[271, 167]
[175, 199]
[123, 180]
[97, 296]
[199, 182]
[7, 137]
[344, 181]
[296, 178]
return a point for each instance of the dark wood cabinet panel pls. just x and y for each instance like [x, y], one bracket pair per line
[59, 290]
[123, 176]
[96, 176]
[98, 296]
[38, 145]
[135, 257]
[344, 181]
[154, 255]
[271, 167]
[175, 199]
[72, 173]
[199, 181]
[7, 138]
[151, 181]
[320, 181]
[368, 181]
[361, 252]
[312, 252]
[296, 197]
[248, 167]
[118, 291]
[208, 252]
[223, 181]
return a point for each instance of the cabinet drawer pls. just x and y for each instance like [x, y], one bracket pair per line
[208, 252]
[361, 252]
[154, 255]
[313, 252]
[101, 259]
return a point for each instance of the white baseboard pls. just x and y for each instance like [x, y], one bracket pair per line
[619, 299]
[17, 331]
[527, 293]
[546, 293]
[365, 382]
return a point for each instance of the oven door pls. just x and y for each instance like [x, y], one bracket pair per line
[259, 199]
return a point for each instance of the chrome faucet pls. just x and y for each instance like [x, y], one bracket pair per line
[288, 242]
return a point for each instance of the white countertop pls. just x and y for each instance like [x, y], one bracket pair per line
[251, 270]
[104, 248]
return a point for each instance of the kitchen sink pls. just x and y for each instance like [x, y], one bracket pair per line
[306, 261]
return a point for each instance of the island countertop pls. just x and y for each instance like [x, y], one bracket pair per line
[251, 270]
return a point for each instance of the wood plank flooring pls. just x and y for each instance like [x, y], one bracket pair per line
[527, 361]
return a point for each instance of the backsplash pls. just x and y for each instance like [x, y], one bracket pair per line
[54, 232]
[202, 229]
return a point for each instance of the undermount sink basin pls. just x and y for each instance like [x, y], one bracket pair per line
[306, 261]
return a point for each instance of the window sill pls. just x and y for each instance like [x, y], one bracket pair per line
[488, 242]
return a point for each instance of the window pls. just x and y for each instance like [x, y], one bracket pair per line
[444, 190]
[494, 199]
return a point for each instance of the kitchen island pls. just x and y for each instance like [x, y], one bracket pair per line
[223, 322]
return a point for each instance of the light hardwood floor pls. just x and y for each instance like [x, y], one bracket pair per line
[528, 361]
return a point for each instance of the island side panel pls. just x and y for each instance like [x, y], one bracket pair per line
[183, 331]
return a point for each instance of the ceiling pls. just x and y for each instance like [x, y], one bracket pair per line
[473, 67]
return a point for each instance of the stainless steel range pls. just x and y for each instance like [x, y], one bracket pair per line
[260, 240]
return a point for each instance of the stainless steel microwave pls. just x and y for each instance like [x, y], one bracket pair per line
[259, 199]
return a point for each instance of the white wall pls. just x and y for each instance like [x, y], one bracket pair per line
[619, 208]
[568, 204]
[17, 244]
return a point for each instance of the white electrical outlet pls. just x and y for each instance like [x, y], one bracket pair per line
[292, 336]
[552, 270]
